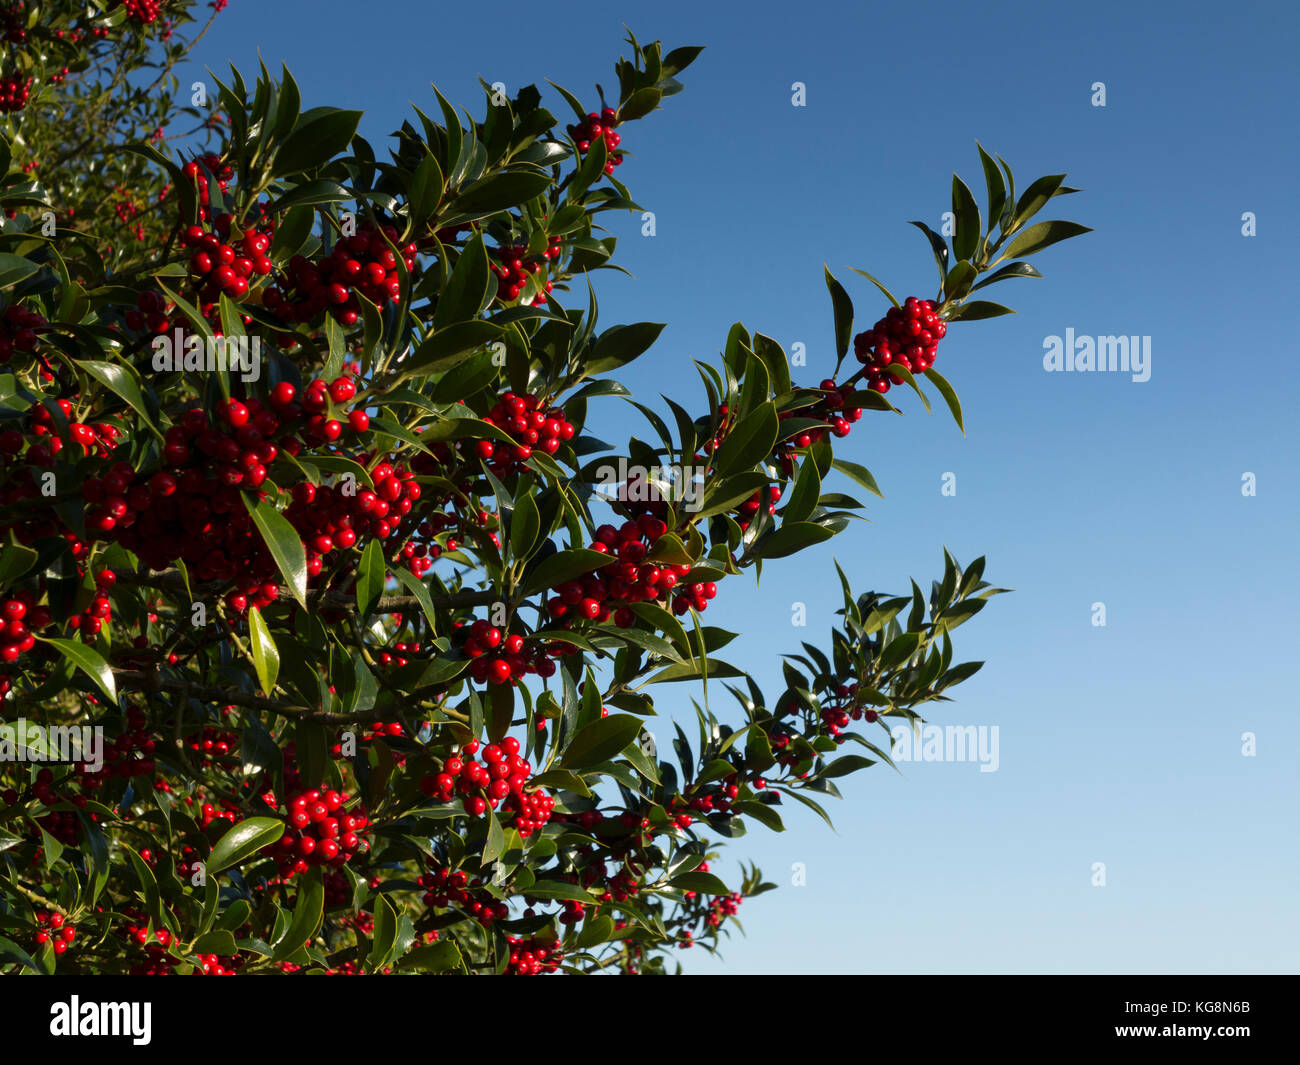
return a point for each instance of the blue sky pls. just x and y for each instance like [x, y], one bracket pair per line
[1120, 744]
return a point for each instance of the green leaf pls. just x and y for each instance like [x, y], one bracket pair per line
[807, 491]
[563, 566]
[497, 192]
[495, 844]
[997, 188]
[937, 246]
[219, 941]
[976, 310]
[558, 889]
[13, 268]
[15, 560]
[525, 524]
[949, 396]
[749, 442]
[889, 295]
[1016, 269]
[439, 957]
[119, 380]
[243, 841]
[313, 192]
[969, 225]
[793, 536]
[959, 280]
[679, 59]
[598, 929]
[1042, 235]
[266, 656]
[621, 344]
[601, 741]
[762, 813]
[859, 473]
[899, 650]
[1035, 197]
[640, 104]
[283, 542]
[370, 578]
[448, 347]
[843, 308]
[468, 287]
[317, 136]
[848, 763]
[384, 937]
[694, 671]
[88, 661]
[418, 589]
[703, 883]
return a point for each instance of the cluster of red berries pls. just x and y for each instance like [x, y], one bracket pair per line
[500, 778]
[751, 506]
[530, 425]
[843, 707]
[362, 263]
[18, 328]
[208, 813]
[327, 517]
[599, 125]
[498, 658]
[98, 611]
[158, 962]
[151, 311]
[143, 12]
[20, 618]
[13, 22]
[314, 408]
[533, 956]
[218, 267]
[193, 510]
[515, 268]
[831, 408]
[15, 91]
[321, 831]
[101, 439]
[447, 887]
[722, 907]
[53, 928]
[628, 579]
[213, 743]
[908, 336]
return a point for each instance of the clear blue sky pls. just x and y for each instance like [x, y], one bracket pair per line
[1119, 744]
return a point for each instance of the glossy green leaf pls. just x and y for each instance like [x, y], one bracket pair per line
[749, 442]
[600, 741]
[88, 661]
[244, 840]
[1043, 235]
[284, 544]
[317, 136]
[966, 239]
[266, 656]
